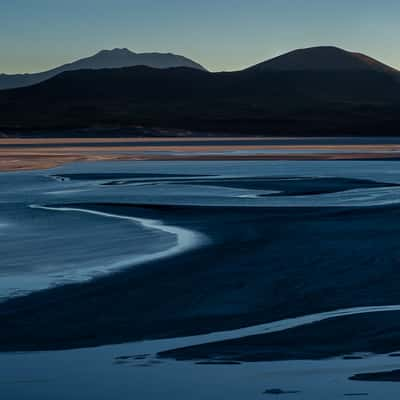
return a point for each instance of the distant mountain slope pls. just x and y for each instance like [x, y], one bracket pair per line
[116, 58]
[323, 59]
[321, 101]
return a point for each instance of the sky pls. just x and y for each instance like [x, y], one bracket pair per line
[36, 35]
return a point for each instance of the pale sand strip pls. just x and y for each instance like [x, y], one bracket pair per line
[14, 159]
[133, 139]
[17, 161]
[92, 147]
[20, 161]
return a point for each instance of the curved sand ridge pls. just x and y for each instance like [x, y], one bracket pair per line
[262, 329]
[185, 240]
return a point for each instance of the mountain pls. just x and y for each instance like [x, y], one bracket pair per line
[299, 100]
[323, 58]
[116, 58]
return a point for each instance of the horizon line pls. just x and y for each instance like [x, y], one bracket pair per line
[281, 53]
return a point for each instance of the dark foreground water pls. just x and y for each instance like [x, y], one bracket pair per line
[224, 279]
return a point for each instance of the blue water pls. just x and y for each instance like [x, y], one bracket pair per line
[53, 245]
[42, 248]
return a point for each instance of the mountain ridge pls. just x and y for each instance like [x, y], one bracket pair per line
[353, 99]
[115, 58]
[323, 58]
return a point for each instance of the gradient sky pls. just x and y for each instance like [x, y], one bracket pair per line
[221, 34]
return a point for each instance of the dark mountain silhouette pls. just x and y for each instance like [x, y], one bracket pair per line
[325, 58]
[116, 58]
[306, 100]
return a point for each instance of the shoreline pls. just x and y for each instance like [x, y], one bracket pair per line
[220, 294]
[14, 162]
[26, 154]
[186, 240]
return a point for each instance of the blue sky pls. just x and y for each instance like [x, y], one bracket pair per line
[220, 34]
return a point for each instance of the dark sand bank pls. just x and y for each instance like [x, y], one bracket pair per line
[261, 265]
[283, 186]
[126, 178]
[368, 333]
[385, 376]
[292, 186]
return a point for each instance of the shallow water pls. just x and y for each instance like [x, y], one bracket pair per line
[61, 247]
[130, 370]
[65, 238]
